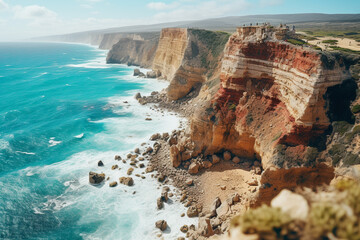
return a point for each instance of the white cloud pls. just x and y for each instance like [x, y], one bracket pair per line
[3, 5]
[33, 12]
[203, 10]
[162, 6]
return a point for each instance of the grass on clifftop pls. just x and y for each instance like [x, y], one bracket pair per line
[214, 41]
[335, 214]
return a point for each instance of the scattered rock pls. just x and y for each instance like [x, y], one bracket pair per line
[214, 206]
[126, 181]
[149, 169]
[253, 182]
[161, 224]
[148, 119]
[155, 137]
[215, 159]
[151, 74]
[161, 178]
[117, 157]
[137, 96]
[192, 211]
[148, 150]
[184, 228]
[114, 167]
[130, 171]
[193, 168]
[136, 72]
[175, 157]
[223, 187]
[189, 181]
[227, 156]
[236, 160]
[100, 164]
[96, 178]
[159, 203]
[164, 196]
[207, 164]
[292, 204]
[258, 170]
[222, 210]
[113, 184]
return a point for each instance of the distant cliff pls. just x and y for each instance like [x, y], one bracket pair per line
[185, 57]
[135, 49]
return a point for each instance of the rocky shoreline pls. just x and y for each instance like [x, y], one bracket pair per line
[214, 209]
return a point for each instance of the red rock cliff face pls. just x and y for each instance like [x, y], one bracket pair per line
[271, 92]
[271, 96]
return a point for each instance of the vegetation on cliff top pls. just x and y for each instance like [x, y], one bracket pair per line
[215, 42]
[335, 215]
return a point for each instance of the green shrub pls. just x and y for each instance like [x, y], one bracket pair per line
[332, 42]
[331, 219]
[356, 109]
[341, 127]
[263, 220]
[345, 50]
[277, 136]
[296, 41]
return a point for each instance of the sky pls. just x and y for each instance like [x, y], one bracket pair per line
[23, 19]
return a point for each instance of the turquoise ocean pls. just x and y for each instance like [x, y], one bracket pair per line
[62, 110]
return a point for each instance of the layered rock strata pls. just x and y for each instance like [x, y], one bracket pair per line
[133, 52]
[271, 105]
[188, 58]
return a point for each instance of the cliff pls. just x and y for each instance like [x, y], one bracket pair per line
[133, 49]
[185, 57]
[188, 58]
[275, 104]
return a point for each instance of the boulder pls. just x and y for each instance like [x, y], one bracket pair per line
[292, 204]
[136, 72]
[114, 167]
[215, 159]
[96, 178]
[130, 171]
[192, 211]
[161, 178]
[155, 137]
[207, 164]
[149, 169]
[253, 182]
[236, 160]
[117, 157]
[126, 181]
[148, 150]
[164, 196]
[151, 74]
[113, 184]
[222, 210]
[161, 224]
[193, 168]
[175, 157]
[227, 156]
[189, 181]
[159, 203]
[137, 96]
[184, 229]
[214, 206]
[100, 164]
[137, 150]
